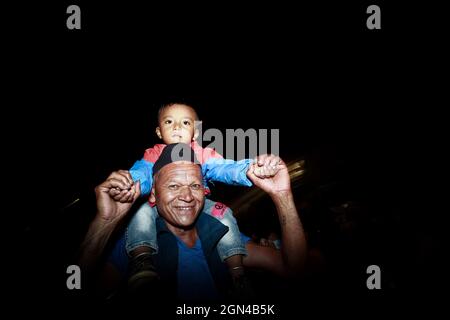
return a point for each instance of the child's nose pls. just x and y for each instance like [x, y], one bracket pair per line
[176, 125]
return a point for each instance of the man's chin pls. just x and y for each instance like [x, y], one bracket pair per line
[187, 223]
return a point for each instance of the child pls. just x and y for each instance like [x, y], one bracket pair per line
[176, 123]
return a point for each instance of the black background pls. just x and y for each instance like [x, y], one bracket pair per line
[358, 102]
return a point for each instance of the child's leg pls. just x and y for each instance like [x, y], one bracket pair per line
[231, 248]
[141, 231]
[231, 243]
[141, 244]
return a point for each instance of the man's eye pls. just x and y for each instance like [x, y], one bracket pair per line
[173, 187]
[196, 186]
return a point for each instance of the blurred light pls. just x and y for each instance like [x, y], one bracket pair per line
[296, 171]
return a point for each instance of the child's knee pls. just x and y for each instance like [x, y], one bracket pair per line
[221, 212]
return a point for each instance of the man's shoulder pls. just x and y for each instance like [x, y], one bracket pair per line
[209, 228]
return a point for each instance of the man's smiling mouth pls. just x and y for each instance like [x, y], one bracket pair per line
[185, 208]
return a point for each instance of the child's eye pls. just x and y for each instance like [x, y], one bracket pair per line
[173, 187]
[168, 122]
[186, 123]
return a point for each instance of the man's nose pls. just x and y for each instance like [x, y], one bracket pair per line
[186, 194]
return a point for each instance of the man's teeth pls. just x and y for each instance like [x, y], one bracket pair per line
[185, 208]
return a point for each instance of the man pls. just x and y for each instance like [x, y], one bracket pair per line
[188, 262]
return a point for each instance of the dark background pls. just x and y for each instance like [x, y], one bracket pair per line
[357, 105]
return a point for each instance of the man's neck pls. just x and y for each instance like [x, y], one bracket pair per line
[187, 236]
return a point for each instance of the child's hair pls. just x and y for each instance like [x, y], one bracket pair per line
[169, 104]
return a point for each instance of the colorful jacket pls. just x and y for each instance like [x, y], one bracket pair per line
[214, 167]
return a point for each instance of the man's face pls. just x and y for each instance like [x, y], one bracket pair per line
[179, 193]
[176, 124]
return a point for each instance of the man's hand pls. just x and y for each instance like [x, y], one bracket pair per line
[109, 212]
[274, 179]
[116, 195]
[266, 165]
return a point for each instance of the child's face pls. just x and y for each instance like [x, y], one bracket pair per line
[176, 124]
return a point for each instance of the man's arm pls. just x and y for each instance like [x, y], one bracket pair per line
[94, 243]
[109, 213]
[290, 259]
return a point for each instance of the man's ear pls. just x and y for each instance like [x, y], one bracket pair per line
[158, 132]
[152, 195]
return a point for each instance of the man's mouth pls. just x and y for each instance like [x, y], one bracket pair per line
[184, 208]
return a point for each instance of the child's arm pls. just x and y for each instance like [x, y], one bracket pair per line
[227, 171]
[235, 172]
[142, 171]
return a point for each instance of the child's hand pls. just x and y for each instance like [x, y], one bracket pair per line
[275, 186]
[266, 166]
[122, 195]
[124, 192]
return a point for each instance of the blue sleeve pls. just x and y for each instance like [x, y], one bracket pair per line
[142, 170]
[118, 256]
[227, 171]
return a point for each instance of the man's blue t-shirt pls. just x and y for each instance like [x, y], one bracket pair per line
[194, 278]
